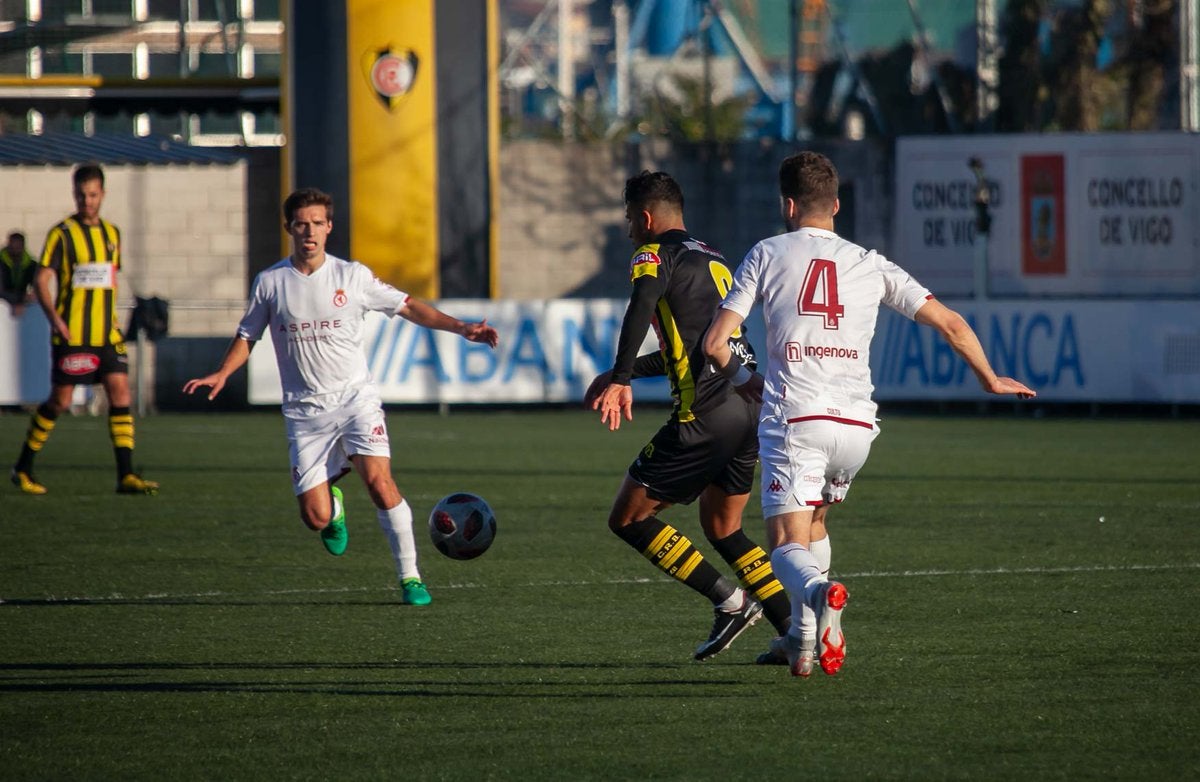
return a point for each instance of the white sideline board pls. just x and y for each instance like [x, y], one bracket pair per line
[1070, 351]
[1112, 214]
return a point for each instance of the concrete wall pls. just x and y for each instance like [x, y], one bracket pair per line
[196, 235]
[183, 233]
[562, 230]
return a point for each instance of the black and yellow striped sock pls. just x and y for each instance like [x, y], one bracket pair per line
[120, 429]
[672, 553]
[41, 424]
[754, 573]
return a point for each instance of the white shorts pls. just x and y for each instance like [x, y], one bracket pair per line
[810, 463]
[320, 446]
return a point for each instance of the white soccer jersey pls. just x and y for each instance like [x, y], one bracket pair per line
[316, 324]
[820, 296]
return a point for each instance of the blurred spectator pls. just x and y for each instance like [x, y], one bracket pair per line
[17, 269]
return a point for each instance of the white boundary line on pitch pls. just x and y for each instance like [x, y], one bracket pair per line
[1000, 571]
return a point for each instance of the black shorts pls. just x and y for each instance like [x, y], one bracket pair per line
[718, 448]
[76, 366]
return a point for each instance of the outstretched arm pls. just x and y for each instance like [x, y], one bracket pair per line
[749, 385]
[431, 317]
[958, 333]
[648, 365]
[235, 356]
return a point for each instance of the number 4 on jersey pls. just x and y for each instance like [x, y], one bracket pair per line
[819, 296]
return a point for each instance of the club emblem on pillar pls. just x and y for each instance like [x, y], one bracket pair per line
[391, 74]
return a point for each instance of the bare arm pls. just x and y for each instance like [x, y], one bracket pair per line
[43, 290]
[236, 355]
[648, 365]
[748, 384]
[958, 333]
[431, 317]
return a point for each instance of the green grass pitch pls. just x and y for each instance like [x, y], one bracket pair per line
[1024, 605]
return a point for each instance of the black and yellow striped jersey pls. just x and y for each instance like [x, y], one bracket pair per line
[677, 284]
[86, 259]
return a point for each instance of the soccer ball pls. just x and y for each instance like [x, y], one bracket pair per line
[462, 525]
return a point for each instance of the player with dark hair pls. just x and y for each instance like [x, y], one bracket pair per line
[820, 297]
[314, 305]
[17, 271]
[82, 256]
[707, 449]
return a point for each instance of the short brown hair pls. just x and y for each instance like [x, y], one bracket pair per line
[306, 196]
[811, 180]
[86, 173]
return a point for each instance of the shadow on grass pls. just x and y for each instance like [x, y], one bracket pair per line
[68, 602]
[13, 675]
[399, 467]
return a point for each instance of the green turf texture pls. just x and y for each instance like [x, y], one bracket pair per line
[1024, 604]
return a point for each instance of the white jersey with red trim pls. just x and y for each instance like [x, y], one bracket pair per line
[820, 299]
[316, 324]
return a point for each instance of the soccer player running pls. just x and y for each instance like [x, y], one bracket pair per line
[820, 298]
[81, 259]
[315, 304]
[707, 449]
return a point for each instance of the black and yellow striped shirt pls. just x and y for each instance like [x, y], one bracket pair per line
[677, 284]
[86, 259]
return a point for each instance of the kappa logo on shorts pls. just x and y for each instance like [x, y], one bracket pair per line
[775, 486]
[79, 364]
[339, 298]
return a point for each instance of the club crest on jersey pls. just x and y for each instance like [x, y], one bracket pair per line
[339, 298]
[645, 262]
[391, 74]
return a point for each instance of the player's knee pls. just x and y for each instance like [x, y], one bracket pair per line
[618, 521]
[384, 492]
[719, 529]
[60, 400]
[314, 519]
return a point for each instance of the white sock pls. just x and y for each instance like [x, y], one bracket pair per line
[397, 526]
[733, 602]
[822, 552]
[798, 571]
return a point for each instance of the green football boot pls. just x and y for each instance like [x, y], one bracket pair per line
[334, 536]
[414, 593]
